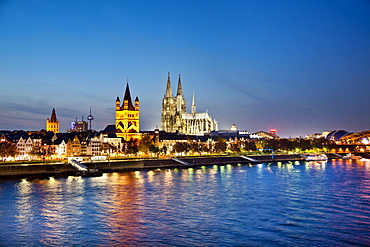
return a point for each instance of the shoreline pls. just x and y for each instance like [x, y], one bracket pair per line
[45, 170]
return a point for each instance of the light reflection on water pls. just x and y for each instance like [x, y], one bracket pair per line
[285, 203]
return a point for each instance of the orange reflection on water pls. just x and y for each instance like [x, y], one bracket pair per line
[168, 177]
[122, 207]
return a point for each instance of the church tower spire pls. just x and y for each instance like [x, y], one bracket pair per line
[179, 87]
[193, 107]
[52, 124]
[127, 103]
[168, 88]
[168, 108]
[180, 99]
[53, 117]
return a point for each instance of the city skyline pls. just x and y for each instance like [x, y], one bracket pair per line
[298, 67]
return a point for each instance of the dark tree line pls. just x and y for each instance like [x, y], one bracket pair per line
[147, 145]
[300, 144]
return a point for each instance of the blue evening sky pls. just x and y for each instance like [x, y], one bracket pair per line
[298, 66]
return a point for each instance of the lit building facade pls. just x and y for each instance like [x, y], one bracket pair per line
[52, 123]
[24, 147]
[94, 146]
[128, 117]
[73, 147]
[175, 118]
[78, 126]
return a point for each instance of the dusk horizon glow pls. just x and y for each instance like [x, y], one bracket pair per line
[295, 66]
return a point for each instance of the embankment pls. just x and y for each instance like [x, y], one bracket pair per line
[64, 169]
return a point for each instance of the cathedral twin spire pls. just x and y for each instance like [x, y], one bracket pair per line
[179, 99]
[172, 106]
[169, 89]
[179, 87]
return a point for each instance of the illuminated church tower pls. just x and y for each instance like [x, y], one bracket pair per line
[180, 107]
[52, 124]
[168, 118]
[127, 117]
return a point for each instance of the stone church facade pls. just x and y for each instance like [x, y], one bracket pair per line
[175, 118]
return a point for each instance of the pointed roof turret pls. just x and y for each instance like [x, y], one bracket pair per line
[168, 88]
[128, 97]
[179, 87]
[137, 99]
[53, 117]
[193, 107]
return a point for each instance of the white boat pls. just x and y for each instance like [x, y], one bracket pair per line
[316, 157]
[351, 157]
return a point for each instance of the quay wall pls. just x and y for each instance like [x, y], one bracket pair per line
[222, 160]
[64, 169]
[36, 170]
[278, 157]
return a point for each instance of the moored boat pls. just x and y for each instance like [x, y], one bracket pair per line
[351, 156]
[316, 157]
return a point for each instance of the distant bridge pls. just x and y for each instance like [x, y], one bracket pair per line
[358, 138]
[358, 142]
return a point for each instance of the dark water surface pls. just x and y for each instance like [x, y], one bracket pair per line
[283, 204]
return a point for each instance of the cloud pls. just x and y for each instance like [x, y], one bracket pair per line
[247, 88]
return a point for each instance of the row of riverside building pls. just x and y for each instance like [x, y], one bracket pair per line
[176, 126]
[33, 145]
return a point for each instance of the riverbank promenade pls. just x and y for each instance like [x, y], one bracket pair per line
[65, 169]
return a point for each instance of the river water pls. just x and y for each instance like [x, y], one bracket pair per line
[277, 204]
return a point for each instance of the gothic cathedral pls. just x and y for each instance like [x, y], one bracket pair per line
[175, 119]
[127, 117]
